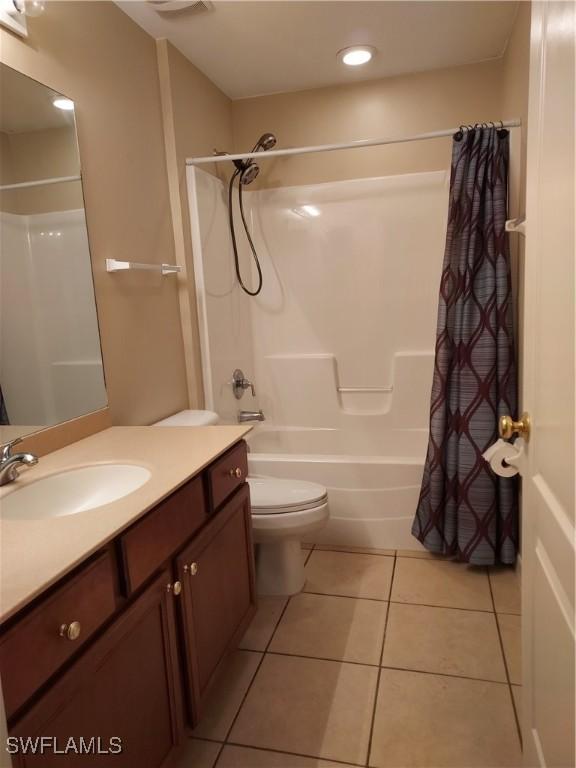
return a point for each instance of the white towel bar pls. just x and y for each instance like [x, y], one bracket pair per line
[113, 265]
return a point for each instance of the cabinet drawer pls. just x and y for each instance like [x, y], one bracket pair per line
[155, 538]
[228, 473]
[35, 647]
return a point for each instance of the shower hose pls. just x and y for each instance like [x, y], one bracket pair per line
[239, 172]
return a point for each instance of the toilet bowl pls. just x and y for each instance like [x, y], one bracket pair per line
[283, 513]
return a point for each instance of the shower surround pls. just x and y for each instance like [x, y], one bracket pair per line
[339, 342]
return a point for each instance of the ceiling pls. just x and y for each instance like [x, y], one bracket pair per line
[26, 105]
[251, 48]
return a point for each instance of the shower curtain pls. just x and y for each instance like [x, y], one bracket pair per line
[464, 509]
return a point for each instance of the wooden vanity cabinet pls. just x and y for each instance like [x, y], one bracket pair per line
[126, 685]
[218, 597]
[188, 574]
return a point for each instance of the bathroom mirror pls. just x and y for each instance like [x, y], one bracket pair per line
[50, 360]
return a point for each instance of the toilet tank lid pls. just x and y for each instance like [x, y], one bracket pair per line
[189, 419]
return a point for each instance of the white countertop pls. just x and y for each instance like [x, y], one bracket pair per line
[36, 553]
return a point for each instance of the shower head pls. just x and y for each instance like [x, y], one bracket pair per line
[266, 141]
[249, 173]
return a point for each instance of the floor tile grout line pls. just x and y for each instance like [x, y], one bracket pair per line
[401, 602]
[446, 607]
[206, 738]
[218, 756]
[294, 754]
[386, 666]
[390, 553]
[346, 597]
[510, 691]
[445, 674]
[326, 548]
[323, 658]
[282, 612]
[309, 555]
[210, 741]
[249, 688]
[379, 674]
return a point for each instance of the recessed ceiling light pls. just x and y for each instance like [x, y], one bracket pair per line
[62, 103]
[356, 55]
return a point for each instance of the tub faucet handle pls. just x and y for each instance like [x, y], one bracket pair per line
[241, 383]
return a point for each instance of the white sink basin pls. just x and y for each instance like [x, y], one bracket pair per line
[73, 491]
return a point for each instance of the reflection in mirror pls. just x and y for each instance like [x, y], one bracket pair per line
[50, 360]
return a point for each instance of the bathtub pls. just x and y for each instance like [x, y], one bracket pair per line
[373, 481]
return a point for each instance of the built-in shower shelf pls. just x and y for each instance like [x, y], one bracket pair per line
[113, 265]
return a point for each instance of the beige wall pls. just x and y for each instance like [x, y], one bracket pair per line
[96, 55]
[197, 119]
[514, 96]
[393, 106]
[515, 67]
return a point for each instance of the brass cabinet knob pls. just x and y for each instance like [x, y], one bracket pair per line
[192, 569]
[237, 472]
[175, 588]
[70, 631]
[507, 427]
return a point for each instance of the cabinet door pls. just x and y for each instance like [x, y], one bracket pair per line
[218, 594]
[125, 686]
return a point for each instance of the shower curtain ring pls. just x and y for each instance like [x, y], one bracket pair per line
[459, 133]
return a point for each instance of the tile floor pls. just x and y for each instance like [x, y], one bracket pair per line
[387, 659]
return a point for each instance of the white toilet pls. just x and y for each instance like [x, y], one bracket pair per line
[284, 512]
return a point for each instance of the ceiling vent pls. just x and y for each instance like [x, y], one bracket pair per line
[180, 6]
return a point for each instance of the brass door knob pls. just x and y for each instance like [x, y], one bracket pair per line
[192, 569]
[237, 472]
[507, 427]
[175, 588]
[70, 631]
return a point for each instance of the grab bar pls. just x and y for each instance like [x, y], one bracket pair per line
[365, 389]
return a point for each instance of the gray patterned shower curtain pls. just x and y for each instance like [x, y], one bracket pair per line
[464, 509]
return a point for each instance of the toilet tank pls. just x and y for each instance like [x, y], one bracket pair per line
[189, 419]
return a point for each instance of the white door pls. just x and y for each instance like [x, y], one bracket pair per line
[548, 546]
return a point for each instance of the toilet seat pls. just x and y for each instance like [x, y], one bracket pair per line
[275, 496]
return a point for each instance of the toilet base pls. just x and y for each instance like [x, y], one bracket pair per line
[280, 567]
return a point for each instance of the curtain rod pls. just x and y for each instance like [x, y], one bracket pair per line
[332, 147]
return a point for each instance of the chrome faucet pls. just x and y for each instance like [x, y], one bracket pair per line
[244, 416]
[9, 462]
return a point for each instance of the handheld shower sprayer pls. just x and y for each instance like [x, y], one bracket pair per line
[246, 171]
